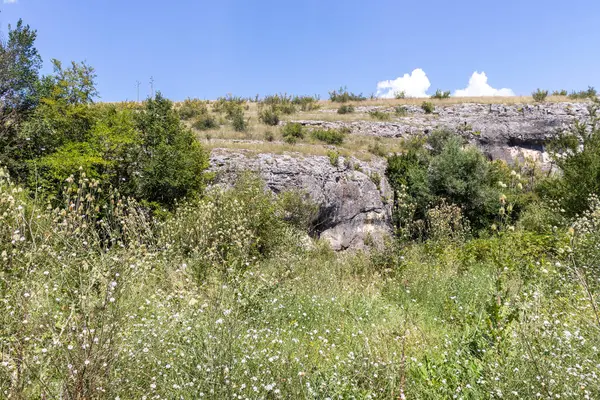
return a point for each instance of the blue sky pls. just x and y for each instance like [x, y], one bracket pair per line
[206, 49]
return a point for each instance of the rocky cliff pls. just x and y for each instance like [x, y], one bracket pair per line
[354, 196]
[507, 132]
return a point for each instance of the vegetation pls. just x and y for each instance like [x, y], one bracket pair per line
[380, 115]
[400, 95]
[345, 109]
[122, 278]
[428, 107]
[441, 94]
[292, 132]
[590, 93]
[562, 92]
[539, 95]
[269, 116]
[329, 136]
[343, 96]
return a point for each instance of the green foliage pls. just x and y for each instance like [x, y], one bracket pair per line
[281, 103]
[173, 161]
[577, 153]
[343, 96]
[539, 95]
[292, 131]
[269, 116]
[238, 121]
[400, 95]
[329, 136]
[378, 149]
[205, 121]
[307, 103]
[428, 107]
[380, 115]
[441, 94]
[562, 92]
[400, 111]
[334, 157]
[345, 109]
[448, 171]
[192, 109]
[590, 93]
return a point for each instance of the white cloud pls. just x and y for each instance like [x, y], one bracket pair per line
[479, 86]
[414, 84]
[10, 1]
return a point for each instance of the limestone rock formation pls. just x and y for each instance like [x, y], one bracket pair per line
[508, 132]
[354, 197]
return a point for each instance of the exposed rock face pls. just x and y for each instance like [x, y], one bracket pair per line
[354, 197]
[508, 132]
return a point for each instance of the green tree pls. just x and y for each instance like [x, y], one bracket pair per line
[172, 161]
[19, 78]
[576, 152]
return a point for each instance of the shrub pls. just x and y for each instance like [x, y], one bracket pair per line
[239, 122]
[380, 115]
[292, 131]
[562, 92]
[192, 108]
[269, 136]
[577, 153]
[428, 107]
[280, 103]
[439, 94]
[539, 95]
[329, 136]
[173, 163]
[269, 116]
[345, 109]
[378, 149]
[400, 95]
[204, 122]
[343, 96]
[401, 111]
[590, 93]
[307, 103]
[334, 157]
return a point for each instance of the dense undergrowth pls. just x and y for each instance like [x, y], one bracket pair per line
[123, 277]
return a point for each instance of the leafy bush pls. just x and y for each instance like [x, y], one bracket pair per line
[460, 175]
[440, 94]
[192, 108]
[307, 103]
[400, 95]
[173, 162]
[329, 136]
[562, 92]
[345, 109]
[334, 157]
[539, 95]
[380, 115]
[590, 93]
[577, 153]
[292, 132]
[239, 122]
[428, 107]
[343, 96]
[269, 116]
[204, 122]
